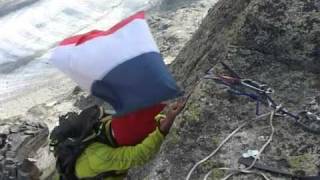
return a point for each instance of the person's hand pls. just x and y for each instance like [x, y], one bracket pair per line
[174, 109]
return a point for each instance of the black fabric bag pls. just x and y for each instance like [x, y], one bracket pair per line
[69, 139]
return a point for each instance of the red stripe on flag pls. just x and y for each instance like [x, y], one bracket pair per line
[81, 38]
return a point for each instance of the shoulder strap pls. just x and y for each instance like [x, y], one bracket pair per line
[104, 132]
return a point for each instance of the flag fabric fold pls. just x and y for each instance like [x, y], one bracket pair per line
[122, 65]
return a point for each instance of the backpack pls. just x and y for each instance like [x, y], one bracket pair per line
[76, 132]
[73, 134]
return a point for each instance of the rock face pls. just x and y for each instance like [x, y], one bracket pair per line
[173, 22]
[20, 141]
[272, 41]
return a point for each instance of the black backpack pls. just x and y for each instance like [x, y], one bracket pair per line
[73, 134]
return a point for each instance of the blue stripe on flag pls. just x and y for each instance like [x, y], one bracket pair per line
[137, 83]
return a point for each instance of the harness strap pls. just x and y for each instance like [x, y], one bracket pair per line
[109, 135]
[104, 134]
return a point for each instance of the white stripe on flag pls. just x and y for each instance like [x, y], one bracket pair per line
[93, 59]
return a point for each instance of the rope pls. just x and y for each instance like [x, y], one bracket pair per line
[246, 170]
[207, 175]
[268, 142]
[221, 144]
[230, 175]
[243, 171]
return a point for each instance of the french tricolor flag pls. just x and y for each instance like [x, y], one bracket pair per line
[122, 65]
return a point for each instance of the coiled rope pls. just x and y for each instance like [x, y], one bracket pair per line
[223, 142]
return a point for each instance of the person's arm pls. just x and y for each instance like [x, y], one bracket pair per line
[141, 153]
[101, 158]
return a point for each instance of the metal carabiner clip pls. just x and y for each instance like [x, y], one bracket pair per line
[254, 85]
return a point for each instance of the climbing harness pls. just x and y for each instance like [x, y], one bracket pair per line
[261, 93]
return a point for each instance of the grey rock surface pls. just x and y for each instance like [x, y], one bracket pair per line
[271, 41]
[19, 143]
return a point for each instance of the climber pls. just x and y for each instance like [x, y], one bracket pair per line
[116, 73]
[104, 160]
